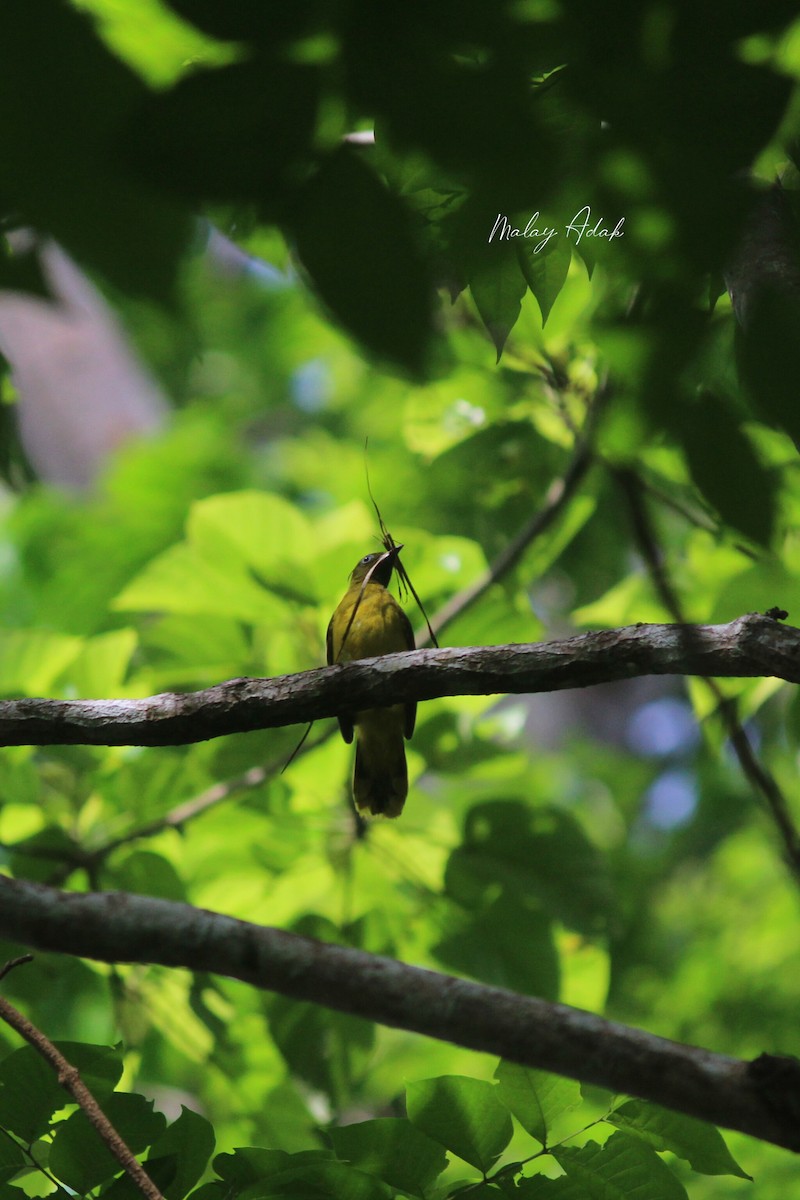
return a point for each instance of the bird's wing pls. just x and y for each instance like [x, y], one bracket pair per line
[345, 725]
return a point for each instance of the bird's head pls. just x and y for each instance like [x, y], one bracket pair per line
[378, 565]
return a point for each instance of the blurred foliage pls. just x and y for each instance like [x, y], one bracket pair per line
[601, 848]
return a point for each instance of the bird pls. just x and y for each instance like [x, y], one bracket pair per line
[368, 622]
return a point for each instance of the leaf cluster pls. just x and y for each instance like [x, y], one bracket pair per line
[452, 1115]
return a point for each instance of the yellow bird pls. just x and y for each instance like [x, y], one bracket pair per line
[378, 626]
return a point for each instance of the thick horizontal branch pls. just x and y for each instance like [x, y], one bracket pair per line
[758, 1098]
[750, 646]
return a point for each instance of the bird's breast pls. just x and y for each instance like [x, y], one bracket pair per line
[376, 628]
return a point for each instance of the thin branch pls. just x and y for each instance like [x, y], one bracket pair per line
[759, 777]
[89, 860]
[15, 962]
[646, 542]
[77, 858]
[558, 496]
[763, 781]
[188, 810]
[33, 1162]
[757, 1098]
[752, 646]
[70, 1080]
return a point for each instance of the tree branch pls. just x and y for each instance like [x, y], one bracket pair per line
[558, 496]
[70, 1080]
[75, 858]
[760, 778]
[759, 1098]
[751, 646]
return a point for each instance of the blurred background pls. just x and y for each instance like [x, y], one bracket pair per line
[212, 331]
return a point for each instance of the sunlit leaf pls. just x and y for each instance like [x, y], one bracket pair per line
[539, 853]
[31, 660]
[497, 286]
[78, 1156]
[536, 1098]
[190, 1140]
[30, 1092]
[392, 1149]
[623, 1165]
[463, 1115]
[507, 942]
[545, 269]
[701, 1144]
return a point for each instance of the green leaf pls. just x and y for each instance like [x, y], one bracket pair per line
[726, 468]
[701, 1144]
[481, 1191]
[202, 136]
[81, 1160]
[227, 566]
[393, 1149]
[33, 857]
[12, 1160]
[30, 1092]
[100, 669]
[20, 778]
[185, 580]
[621, 1168]
[32, 659]
[444, 412]
[162, 1171]
[547, 551]
[354, 240]
[539, 852]
[153, 40]
[329, 1050]
[545, 271]
[247, 20]
[195, 649]
[767, 347]
[250, 1163]
[540, 1187]
[216, 1190]
[303, 1177]
[190, 1141]
[100, 1067]
[253, 1173]
[69, 80]
[509, 943]
[462, 1114]
[536, 1098]
[498, 285]
[148, 874]
[237, 523]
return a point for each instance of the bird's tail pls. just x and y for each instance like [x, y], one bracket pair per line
[380, 779]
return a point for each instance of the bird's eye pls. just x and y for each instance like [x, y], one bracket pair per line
[367, 559]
